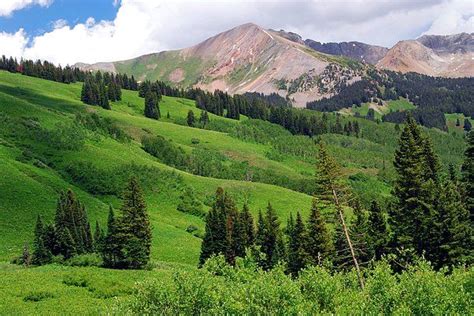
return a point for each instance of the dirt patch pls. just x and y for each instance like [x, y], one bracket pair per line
[177, 75]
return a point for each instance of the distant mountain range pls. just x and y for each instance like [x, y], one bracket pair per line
[249, 58]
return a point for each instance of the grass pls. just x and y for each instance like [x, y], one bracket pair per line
[401, 104]
[33, 173]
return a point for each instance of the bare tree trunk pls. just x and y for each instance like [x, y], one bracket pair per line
[346, 233]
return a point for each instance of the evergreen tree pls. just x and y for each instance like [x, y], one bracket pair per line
[134, 228]
[297, 256]
[318, 240]
[204, 118]
[248, 227]
[467, 171]
[99, 238]
[413, 207]
[214, 241]
[41, 254]
[111, 251]
[191, 120]
[378, 232]
[152, 109]
[359, 234]
[455, 235]
[269, 238]
[328, 176]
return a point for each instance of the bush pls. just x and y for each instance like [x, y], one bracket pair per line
[219, 289]
[76, 279]
[85, 260]
[37, 296]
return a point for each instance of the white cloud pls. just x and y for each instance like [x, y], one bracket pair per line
[13, 44]
[146, 26]
[8, 6]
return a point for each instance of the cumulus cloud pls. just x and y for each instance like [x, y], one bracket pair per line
[8, 6]
[146, 26]
[13, 44]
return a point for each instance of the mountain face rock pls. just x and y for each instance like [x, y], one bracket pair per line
[248, 58]
[356, 50]
[446, 56]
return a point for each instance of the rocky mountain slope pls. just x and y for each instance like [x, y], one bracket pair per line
[434, 55]
[356, 50]
[247, 58]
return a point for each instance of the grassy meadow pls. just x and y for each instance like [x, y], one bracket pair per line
[44, 150]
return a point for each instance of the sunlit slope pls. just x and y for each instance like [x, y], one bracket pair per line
[28, 188]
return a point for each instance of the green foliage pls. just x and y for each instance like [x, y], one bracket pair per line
[165, 151]
[152, 109]
[217, 289]
[130, 234]
[190, 204]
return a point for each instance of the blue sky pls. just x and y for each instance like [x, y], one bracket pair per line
[36, 20]
[97, 30]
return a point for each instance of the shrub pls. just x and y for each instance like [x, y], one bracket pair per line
[37, 296]
[85, 260]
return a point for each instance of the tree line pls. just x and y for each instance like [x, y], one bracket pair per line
[430, 216]
[433, 96]
[125, 244]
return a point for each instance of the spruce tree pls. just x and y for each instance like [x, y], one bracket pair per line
[41, 254]
[134, 228]
[318, 240]
[328, 176]
[455, 235]
[297, 256]
[269, 238]
[191, 120]
[204, 118]
[152, 109]
[248, 227]
[214, 241]
[467, 171]
[111, 251]
[408, 212]
[359, 234]
[99, 238]
[378, 232]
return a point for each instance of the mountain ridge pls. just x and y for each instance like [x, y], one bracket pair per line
[250, 58]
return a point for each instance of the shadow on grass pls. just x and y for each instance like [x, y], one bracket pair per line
[41, 99]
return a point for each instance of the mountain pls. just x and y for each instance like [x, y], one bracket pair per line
[247, 58]
[434, 55]
[356, 50]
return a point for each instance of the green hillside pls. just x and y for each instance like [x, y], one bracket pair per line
[46, 146]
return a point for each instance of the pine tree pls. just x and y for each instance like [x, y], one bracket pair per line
[152, 109]
[204, 118]
[455, 231]
[269, 238]
[297, 256]
[318, 241]
[234, 233]
[408, 214]
[359, 234]
[103, 97]
[378, 232]
[134, 228]
[214, 241]
[41, 254]
[248, 227]
[111, 251]
[328, 176]
[99, 238]
[467, 171]
[190, 118]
